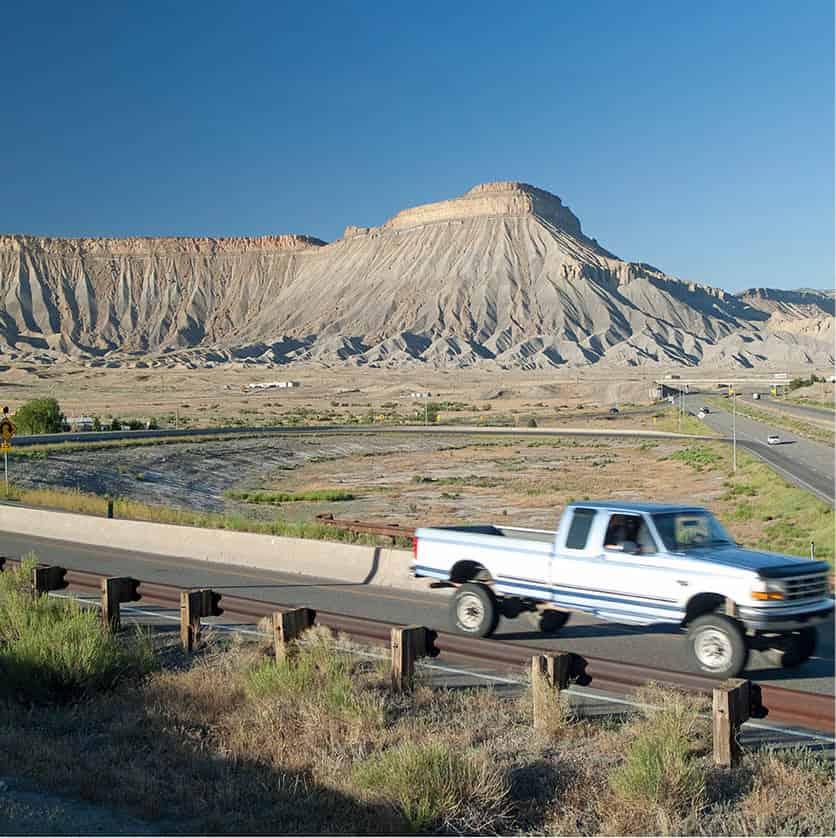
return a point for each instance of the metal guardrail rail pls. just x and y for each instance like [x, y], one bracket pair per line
[368, 527]
[815, 711]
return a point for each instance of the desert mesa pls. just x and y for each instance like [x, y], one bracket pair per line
[502, 277]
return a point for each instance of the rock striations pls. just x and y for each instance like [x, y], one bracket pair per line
[501, 277]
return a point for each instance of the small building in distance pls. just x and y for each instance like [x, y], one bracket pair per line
[272, 385]
[79, 423]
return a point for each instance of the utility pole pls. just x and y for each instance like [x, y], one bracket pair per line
[734, 432]
[426, 408]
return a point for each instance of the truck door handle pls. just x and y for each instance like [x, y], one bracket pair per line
[683, 582]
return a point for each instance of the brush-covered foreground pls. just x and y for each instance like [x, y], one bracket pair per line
[230, 742]
[54, 650]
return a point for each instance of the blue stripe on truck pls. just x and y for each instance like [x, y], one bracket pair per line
[583, 601]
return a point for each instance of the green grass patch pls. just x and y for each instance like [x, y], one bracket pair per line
[669, 420]
[793, 518]
[56, 650]
[288, 497]
[697, 456]
[316, 673]
[660, 768]
[437, 788]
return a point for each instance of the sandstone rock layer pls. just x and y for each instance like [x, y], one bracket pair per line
[503, 276]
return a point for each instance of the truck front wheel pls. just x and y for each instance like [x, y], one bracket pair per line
[474, 610]
[718, 645]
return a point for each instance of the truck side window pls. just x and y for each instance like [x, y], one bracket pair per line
[579, 529]
[629, 532]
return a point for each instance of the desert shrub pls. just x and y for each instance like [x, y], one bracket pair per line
[317, 673]
[56, 650]
[660, 770]
[437, 788]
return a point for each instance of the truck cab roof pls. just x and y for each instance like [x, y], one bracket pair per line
[635, 506]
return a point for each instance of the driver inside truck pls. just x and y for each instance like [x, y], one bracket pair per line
[629, 534]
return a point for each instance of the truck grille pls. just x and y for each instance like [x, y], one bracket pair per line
[811, 586]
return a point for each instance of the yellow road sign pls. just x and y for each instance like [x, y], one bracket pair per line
[7, 429]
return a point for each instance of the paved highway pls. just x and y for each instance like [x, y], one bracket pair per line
[805, 463]
[657, 646]
[350, 430]
[816, 414]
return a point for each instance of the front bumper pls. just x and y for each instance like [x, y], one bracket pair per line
[786, 618]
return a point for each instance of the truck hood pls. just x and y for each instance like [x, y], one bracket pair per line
[768, 565]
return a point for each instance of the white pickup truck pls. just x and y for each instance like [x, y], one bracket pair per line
[636, 563]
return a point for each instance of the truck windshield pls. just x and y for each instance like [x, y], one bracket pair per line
[690, 530]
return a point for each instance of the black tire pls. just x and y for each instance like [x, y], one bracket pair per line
[717, 645]
[511, 607]
[552, 621]
[474, 610]
[793, 648]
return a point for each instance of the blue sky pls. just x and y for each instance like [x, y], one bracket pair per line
[694, 136]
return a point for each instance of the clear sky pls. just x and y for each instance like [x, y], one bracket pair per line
[694, 136]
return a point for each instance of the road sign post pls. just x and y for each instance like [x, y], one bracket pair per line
[7, 431]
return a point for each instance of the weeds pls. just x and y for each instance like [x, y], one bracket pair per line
[436, 788]
[661, 779]
[75, 501]
[289, 497]
[56, 650]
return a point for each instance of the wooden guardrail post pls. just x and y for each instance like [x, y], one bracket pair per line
[731, 704]
[47, 578]
[549, 675]
[117, 589]
[194, 605]
[407, 644]
[288, 626]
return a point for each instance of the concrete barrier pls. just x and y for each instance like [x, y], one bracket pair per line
[355, 563]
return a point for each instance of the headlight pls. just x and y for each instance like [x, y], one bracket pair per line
[766, 590]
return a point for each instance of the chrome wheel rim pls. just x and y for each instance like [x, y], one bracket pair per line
[713, 649]
[470, 612]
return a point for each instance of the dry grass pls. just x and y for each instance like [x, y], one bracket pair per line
[229, 742]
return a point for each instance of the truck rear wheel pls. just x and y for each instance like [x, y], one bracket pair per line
[718, 645]
[794, 648]
[552, 621]
[474, 610]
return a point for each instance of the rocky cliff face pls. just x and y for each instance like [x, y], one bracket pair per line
[502, 276]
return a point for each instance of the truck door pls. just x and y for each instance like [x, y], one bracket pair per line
[635, 586]
[575, 566]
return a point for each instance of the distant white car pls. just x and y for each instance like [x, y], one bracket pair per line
[701, 414]
[773, 439]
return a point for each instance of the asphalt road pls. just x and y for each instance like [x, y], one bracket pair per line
[817, 414]
[655, 646]
[805, 463]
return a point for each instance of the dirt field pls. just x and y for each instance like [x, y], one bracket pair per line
[408, 479]
[212, 397]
